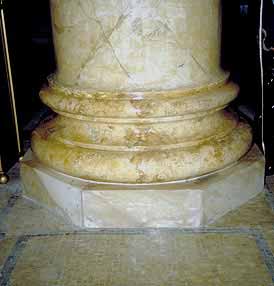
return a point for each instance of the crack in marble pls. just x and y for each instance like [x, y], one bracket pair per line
[166, 26]
[198, 63]
[106, 38]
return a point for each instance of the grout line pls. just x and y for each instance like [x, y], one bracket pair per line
[10, 262]
[266, 253]
[269, 197]
[146, 231]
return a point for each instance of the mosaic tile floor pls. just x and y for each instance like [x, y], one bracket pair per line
[37, 248]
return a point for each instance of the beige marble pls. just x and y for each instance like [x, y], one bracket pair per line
[137, 45]
[180, 204]
[142, 258]
[140, 93]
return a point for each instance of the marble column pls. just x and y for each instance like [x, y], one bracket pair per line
[140, 93]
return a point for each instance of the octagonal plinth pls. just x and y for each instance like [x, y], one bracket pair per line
[182, 204]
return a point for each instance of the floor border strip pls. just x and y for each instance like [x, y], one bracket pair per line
[21, 243]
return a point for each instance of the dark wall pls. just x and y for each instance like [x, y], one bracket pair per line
[32, 53]
[268, 72]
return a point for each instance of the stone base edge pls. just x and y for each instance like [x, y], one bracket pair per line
[90, 204]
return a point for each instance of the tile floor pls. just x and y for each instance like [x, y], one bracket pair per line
[37, 248]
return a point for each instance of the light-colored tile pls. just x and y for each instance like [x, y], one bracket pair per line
[255, 213]
[143, 208]
[154, 258]
[25, 217]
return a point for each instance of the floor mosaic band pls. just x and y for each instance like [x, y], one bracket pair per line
[23, 241]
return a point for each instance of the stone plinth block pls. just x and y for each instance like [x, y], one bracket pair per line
[196, 203]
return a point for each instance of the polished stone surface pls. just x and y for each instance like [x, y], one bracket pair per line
[137, 45]
[140, 93]
[180, 204]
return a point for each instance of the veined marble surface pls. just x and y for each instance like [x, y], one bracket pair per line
[137, 44]
[140, 93]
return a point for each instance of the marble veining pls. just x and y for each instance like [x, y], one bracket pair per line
[140, 93]
[136, 45]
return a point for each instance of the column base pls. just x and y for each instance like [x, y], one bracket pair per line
[156, 164]
[153, 137]
[197, 203]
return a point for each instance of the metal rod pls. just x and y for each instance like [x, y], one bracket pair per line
[10, 80]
